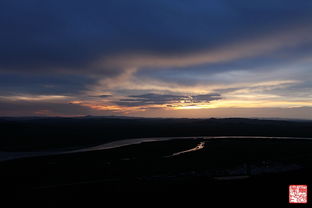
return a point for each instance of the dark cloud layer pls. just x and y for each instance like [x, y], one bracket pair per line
[94, 52]
[11, 84]
[103, 96]
[69, 35]
[158, 99]
[26, 108]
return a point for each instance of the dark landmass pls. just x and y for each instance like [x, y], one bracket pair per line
[230, 169]
[259, 169]
[27, 134]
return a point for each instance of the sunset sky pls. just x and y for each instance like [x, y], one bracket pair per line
[156, 58]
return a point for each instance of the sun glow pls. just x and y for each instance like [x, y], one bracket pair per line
[189, 107]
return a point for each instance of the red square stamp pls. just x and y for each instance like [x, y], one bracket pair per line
[298, 194]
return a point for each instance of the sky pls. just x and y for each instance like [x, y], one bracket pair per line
[156, 58]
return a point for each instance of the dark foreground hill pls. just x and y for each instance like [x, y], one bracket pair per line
[18, 134]
[235, 170]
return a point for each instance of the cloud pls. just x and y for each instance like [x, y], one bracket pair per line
[261, 54]
[101, 96]
[41, 108]
[159, 99]
[43, 84]
[65, 37]
[237, 50]
[35, 97]
[127, 56]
